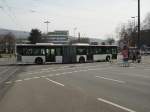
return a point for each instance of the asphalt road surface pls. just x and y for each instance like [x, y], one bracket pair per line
[89, 87]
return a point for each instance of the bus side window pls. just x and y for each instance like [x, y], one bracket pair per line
[35, 51]
[82, 51]
[42, 51]
[114, 51]
[52, 51]
[104, 50]
[99, 51]
[108, 51]
[47, 51]
[29, 52]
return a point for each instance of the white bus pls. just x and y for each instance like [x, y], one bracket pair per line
[94, 53]
[58, 53]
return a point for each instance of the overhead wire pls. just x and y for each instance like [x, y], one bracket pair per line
[10, 13]
[10, 17]
[5, 7]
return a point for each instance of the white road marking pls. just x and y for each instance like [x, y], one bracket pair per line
[43, 76]
[18, 80]
[61, 68]
[55, 82]
[83, 70]
[54, 68]
[99, 68]
[35, 77]
[9, 82]
[116, 105]
[47, 69]
[110, 79]
[28, 79]
[63, 73]
[57, 74]
[132, 67]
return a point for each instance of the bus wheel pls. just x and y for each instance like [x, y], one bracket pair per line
[82, 60]
[39, 60]
[108, 58]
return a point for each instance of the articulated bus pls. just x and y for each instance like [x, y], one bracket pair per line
[58, 53]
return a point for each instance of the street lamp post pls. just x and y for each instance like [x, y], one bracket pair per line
[134, 24]
[134, 28]
[47, 22]
[139, 26]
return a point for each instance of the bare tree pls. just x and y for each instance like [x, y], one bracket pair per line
[146, 22]
[1, 44]
[9, 43]
[127, 34]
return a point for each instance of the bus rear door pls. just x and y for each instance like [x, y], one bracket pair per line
[50, 55]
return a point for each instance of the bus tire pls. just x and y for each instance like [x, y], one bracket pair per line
[108, 59]
[39, 60]
[82, 60]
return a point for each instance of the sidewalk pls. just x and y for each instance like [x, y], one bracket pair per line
[145, 60]
[7, 61]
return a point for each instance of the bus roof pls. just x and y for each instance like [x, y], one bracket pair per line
[106, 45]
[51, 44]
[81, 44]
[86, 44]
[41, 44]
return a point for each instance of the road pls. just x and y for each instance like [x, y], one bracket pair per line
[89, 87]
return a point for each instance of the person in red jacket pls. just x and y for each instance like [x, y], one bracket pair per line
[125, 55]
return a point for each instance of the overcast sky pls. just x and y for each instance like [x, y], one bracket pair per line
[93, 18]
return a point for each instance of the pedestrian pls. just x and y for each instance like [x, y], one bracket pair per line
[138, 55]
[134, 57]
[125, 55]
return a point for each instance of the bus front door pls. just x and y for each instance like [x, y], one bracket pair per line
[50, 55]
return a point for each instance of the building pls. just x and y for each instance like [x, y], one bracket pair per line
[22, 41]
[56, 37]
